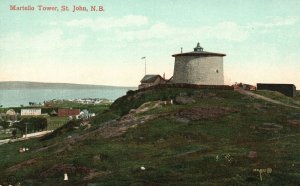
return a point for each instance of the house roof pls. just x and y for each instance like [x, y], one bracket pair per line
[198, 51]
[11, 112]
[53, 112]
[150, 78]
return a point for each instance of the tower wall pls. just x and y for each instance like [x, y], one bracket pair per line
[199, 70]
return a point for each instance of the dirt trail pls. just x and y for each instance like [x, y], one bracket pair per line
[248, 93]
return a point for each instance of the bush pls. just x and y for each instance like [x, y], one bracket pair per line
[4, 124]
[34, 124]
[69, 126]
[104, 117]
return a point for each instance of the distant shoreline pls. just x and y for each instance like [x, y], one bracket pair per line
[14, 94]
[13, 85]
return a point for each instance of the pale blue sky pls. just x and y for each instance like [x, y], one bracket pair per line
[260, 38]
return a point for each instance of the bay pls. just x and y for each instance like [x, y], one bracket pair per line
[17, 97]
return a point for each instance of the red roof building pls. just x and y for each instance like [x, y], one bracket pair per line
[68, 112]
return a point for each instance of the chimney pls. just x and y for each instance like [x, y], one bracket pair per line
[181, 49]
[164, 76]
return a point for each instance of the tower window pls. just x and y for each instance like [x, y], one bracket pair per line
[217, 71]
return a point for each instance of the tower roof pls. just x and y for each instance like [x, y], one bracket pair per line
[198, 51]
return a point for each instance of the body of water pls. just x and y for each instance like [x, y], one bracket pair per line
[15, 98]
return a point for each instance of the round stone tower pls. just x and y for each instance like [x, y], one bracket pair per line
[199, 67]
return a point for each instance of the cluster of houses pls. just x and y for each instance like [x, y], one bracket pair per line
[75, 113]
[12, 116]
[86, 101]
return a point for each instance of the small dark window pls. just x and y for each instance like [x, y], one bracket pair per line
[217, 71]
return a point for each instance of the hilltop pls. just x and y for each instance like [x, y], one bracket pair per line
[41, 85]
[180, 136]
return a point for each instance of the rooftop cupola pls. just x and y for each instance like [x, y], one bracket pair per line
[198, 48]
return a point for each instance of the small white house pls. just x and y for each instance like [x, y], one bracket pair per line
[31, 112]
[84, 114]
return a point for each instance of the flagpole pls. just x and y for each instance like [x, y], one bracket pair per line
[145, 67]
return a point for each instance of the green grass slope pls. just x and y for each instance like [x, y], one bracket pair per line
[294, 101]
[207, 137]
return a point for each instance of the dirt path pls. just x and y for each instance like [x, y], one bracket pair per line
[248, 93]
[29, 136]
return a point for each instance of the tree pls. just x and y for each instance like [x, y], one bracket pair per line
[14, 133]
[4, 124]
[34, 124]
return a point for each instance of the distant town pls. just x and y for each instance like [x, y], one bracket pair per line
[19, 122]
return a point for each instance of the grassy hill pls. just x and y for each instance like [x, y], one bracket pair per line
[207, 137]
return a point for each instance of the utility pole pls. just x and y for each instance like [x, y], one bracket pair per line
[26, 130]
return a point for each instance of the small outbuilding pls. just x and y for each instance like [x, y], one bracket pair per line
[286, 89]
[151, 80]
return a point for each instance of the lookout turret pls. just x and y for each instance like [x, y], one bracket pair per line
[198, 48]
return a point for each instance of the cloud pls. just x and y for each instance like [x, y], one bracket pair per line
[274, 22]
[53, 39]
[137, 28]
[229, 31]
[107, 22]
[156, 31]
[223, 31]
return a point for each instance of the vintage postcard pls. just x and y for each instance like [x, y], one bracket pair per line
[131, 92]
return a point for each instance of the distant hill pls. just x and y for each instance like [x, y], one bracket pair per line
[11, 85]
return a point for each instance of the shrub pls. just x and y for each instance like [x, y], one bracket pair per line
[34, 124]
[4, 124]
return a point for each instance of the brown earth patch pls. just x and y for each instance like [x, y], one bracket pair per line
[22, 165]
[184, 100]
[270, 127]
[294, 122]
[71, 169]
[204, 113]
[65, 168]
[45, 148]
[93, 174]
